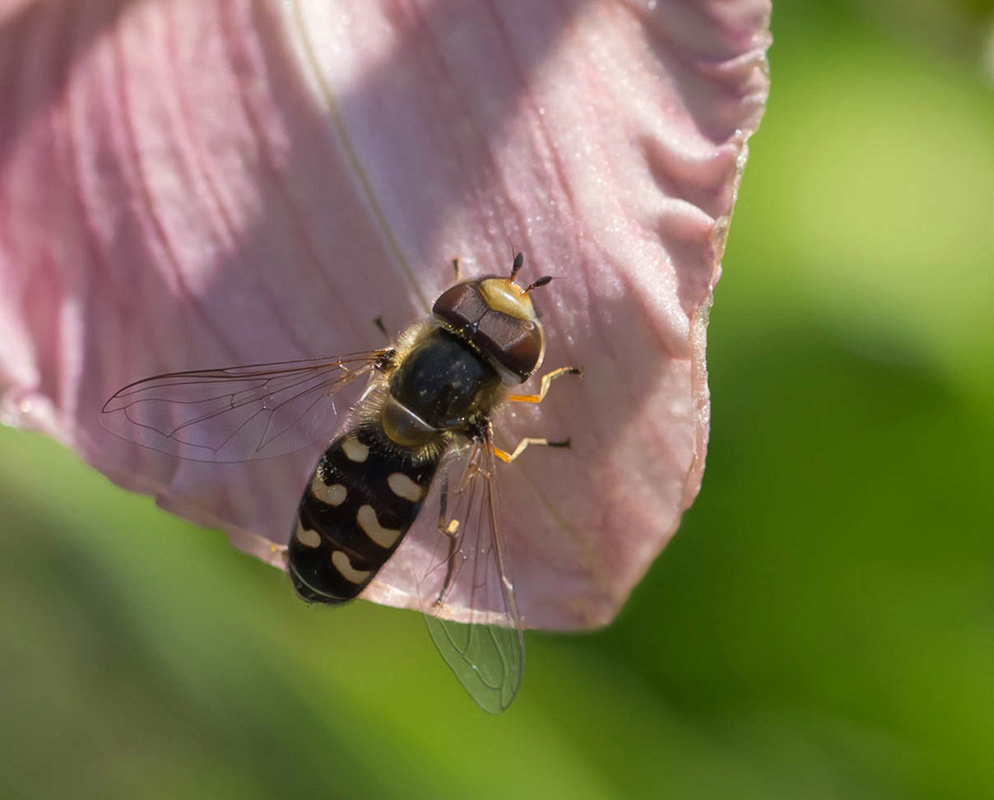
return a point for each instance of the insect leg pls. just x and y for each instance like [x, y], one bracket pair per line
[455, 266]
[450, 528]
[447, 526]
[455, 540]
[547, 380]
[506, 457]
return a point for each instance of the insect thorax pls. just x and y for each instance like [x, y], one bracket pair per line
[445, 382]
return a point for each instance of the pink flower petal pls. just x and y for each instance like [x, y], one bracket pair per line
[193, 185]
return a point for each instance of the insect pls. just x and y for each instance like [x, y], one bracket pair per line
[422, 425]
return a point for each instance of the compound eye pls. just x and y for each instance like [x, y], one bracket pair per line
[517, 345]
[513, 344]
[460, 305]
[525, 355]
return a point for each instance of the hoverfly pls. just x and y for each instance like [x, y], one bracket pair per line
[425, 415]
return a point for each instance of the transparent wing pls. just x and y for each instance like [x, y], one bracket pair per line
[237, 413]
[469, 569]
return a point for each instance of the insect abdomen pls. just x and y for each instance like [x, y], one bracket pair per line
[363, 496]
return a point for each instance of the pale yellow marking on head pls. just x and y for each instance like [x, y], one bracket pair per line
[343, 565]
[308, 538]
[384, 537]
[355, 450]
[402, 486]
[453, 527]
[508, 298]
[333, 495]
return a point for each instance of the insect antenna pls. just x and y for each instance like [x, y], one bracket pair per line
[543, 281]
[519, 261]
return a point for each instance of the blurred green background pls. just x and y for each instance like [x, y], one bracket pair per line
[821, 627]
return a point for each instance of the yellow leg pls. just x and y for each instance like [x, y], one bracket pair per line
[547, 380]
[503, 455]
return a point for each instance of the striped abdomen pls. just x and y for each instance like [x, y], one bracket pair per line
[364, 495]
